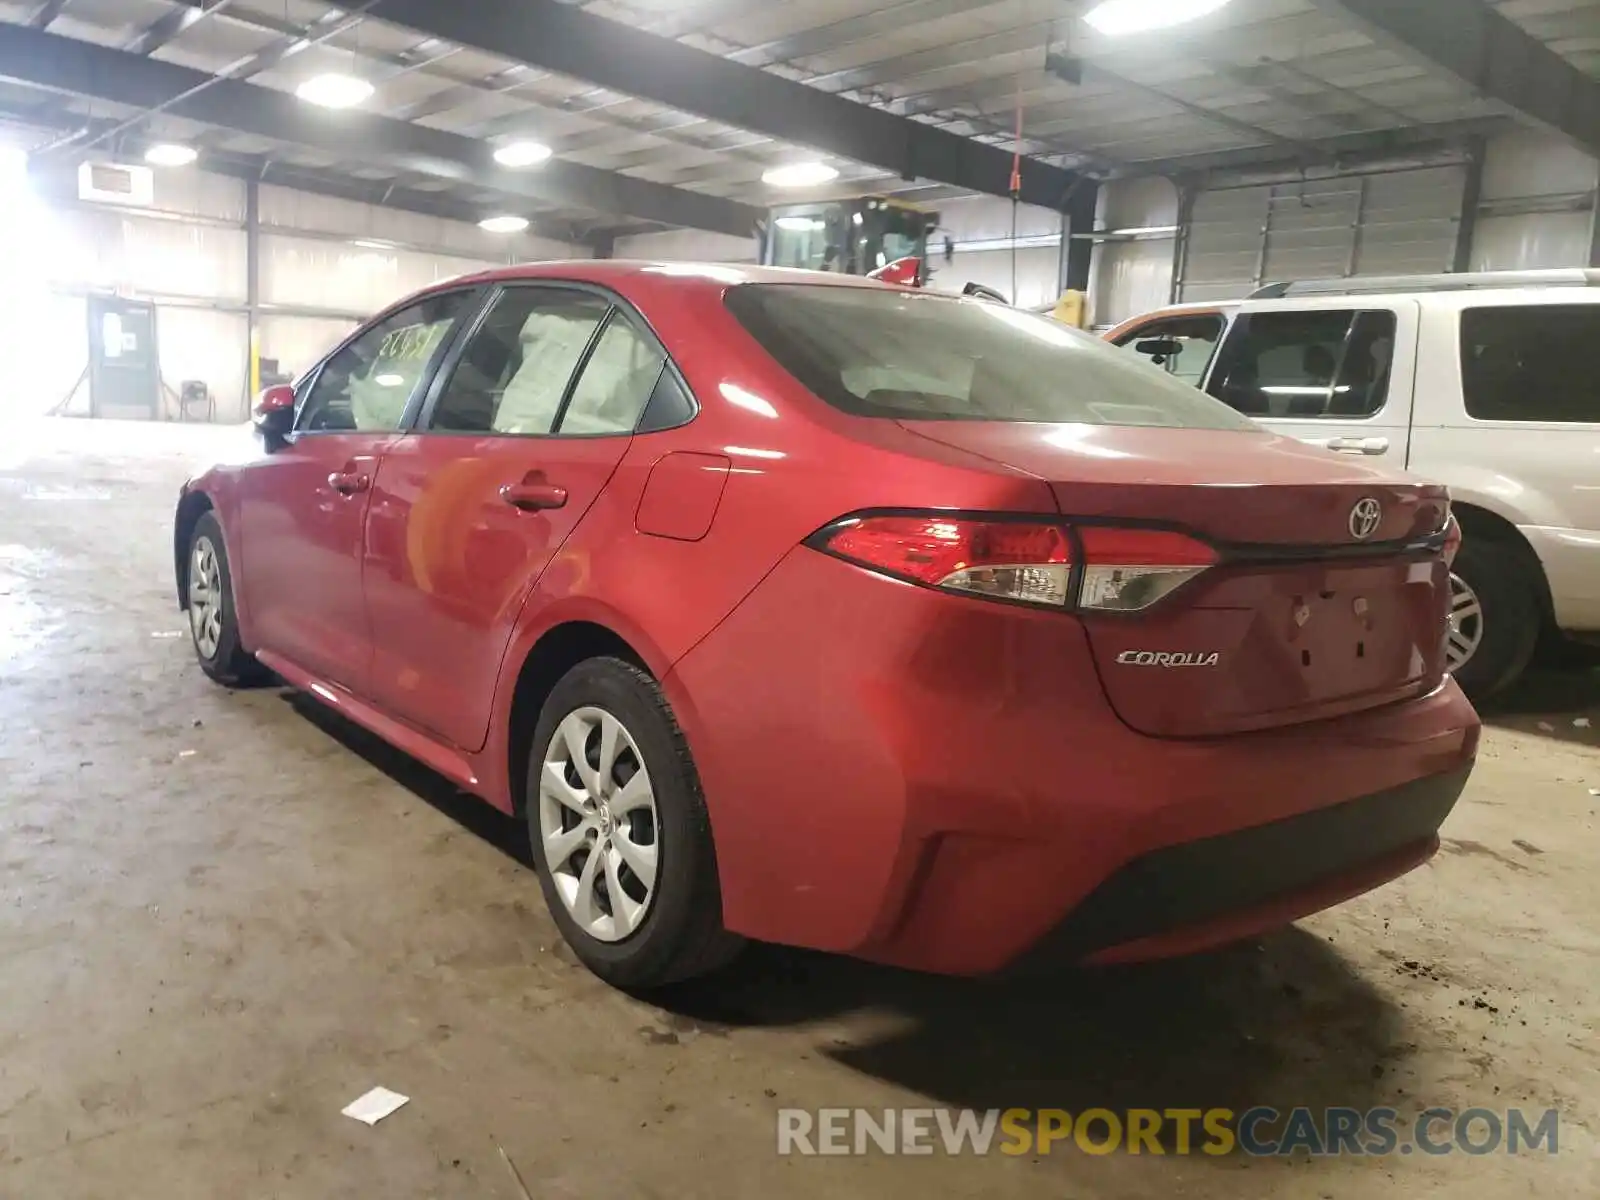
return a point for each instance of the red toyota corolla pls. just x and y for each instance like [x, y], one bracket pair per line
[820, 611]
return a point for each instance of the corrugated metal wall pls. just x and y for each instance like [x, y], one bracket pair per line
[1397, 223]
[325, 264]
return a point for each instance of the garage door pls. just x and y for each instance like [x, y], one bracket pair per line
[1399, 223]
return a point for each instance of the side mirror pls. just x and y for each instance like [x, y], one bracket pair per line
[275, 416]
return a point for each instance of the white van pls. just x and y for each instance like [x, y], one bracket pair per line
[1488, 383]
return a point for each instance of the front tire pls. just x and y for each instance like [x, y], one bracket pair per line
[1495, 616]
[619, 830]
[213, 616]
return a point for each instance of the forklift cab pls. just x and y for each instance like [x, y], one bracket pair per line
[852, 237]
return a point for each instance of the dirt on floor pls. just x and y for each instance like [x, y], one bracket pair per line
[223, 916]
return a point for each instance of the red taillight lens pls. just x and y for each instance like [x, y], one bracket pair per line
[1126, 570]
[1003, 559]
[1452, 539]
[1123, 569]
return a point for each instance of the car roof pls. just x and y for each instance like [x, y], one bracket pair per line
[615, 271]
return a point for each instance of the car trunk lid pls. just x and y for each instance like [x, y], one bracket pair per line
[1328, 594]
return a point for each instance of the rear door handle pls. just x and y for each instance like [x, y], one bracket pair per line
[532, 497]
[348, 483]
[1359, 445]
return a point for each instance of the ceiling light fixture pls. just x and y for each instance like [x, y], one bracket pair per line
[507, 224]
[799, 224]
[800, 174]
[170, 154]
[1136, 16]
[522, 154]
[334, 91]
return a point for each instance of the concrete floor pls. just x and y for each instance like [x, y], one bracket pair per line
[224, 916]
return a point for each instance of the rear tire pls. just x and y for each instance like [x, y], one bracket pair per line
[614, 805]
[213, 616]
[1508, 615]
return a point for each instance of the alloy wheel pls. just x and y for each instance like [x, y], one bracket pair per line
[598, 823]
[1466, 624]
[205, 598]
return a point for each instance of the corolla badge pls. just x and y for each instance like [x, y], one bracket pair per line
[1160, 658]
[1365, 518]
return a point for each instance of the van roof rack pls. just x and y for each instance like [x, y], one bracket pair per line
[1454, 282]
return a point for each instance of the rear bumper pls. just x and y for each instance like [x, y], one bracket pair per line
[940, 783]
[1186, 897]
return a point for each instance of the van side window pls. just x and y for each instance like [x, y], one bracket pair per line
[1534, 363]
[1311, 363]
[1180, 346]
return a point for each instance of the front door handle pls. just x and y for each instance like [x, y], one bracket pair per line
[1359, 445]
[348, 483]
[532, 496]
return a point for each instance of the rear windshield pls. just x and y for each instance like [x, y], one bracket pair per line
[1531, 363]
[878, 352]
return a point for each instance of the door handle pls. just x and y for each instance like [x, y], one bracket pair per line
[1359, 445]
[348, 483]
[532, 497]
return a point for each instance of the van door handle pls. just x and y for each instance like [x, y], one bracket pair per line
[1359, 445]
[532, 497]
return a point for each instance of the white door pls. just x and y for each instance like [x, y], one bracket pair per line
[1335, 372]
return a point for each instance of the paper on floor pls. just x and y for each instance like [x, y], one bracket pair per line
[375, 1105]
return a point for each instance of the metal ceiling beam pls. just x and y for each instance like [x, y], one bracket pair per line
[1332, 152]
[850, 30]
[52, 120]
[172, 25]
[45, 15]
[1490, 54]
[66, 64]
[568, 40]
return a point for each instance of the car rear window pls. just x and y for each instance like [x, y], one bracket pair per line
[880, 352]
[1532, 363]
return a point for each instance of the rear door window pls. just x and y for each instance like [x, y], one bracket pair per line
[912, 355]
[1180, 346]
[1533, 363]
[515, 369]
[1330, 363]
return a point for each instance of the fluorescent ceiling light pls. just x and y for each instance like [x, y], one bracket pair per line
[334, 91]
[373, 244]
[504, 224]
[800, 174]
[522, 154]
[170, 154]
[1136, 16]
[799, 224]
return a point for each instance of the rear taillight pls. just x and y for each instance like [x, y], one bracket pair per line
[1452, 539]
[1126, 570]
[1122, 569]
[1003, 559]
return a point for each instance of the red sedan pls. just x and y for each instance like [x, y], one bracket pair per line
[827, 612]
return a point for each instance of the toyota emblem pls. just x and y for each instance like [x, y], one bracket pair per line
[1365, 518]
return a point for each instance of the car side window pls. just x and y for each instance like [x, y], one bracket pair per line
[1323, 363]
[1180, 346]
[1531, 363]
[616, 383]
[515, 369]
[365, 387]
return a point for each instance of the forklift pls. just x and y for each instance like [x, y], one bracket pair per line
[860, 236]
[880, 237]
